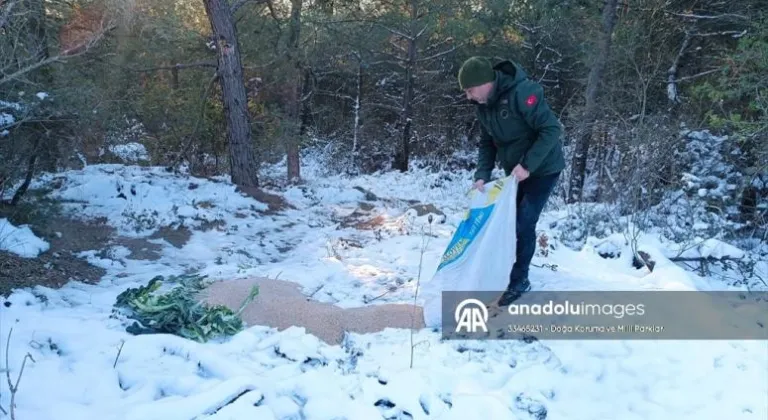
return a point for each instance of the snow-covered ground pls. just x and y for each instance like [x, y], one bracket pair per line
[77, 374]
[20, 240]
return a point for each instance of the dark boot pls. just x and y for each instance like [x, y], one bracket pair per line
[514, 291]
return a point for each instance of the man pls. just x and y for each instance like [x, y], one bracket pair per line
[521, 132]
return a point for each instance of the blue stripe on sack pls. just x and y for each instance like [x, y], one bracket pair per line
[465, 234]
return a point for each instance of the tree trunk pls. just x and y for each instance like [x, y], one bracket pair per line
[358, 98]
[294, 93]
[579, 166]
[401, 159]
[242, 156]
[601, 163]
[47, 154]
[28, 177]
[306, 110]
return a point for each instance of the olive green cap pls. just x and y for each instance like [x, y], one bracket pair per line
[475, 72]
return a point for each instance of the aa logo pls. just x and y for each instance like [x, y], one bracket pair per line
[470, 315]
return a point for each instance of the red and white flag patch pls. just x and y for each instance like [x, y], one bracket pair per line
[531, 101]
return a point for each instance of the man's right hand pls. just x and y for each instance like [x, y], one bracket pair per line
[479, 185]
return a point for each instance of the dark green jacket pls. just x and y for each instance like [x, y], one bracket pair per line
[518, 127]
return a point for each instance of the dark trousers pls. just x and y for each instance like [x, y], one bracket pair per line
[532, 195]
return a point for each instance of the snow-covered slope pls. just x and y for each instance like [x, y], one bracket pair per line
[77, 374]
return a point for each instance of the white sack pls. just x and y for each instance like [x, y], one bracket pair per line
[482, 251]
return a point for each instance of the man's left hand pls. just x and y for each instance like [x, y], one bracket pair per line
[520, 173]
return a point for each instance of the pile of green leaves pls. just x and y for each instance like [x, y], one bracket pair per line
[179, 311]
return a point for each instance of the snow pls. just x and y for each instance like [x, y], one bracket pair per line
[12, 105]
[138, 201]
[713, 248]
[6, 119]
[265, 374]
[20, 240]
[130, 152]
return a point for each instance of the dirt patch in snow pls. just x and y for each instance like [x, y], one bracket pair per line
[72, 236]
[281, 304]
[67, 238]
[50, 270]
[177, 237]
[364, 217]
[275, 203]
[60, 263]
[140, 248]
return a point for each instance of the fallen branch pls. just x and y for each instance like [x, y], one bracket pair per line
[552, 267]
[311, 295]
[367, 301]
[705, 259]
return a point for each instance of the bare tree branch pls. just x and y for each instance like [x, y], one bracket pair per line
[180, 66]
[335, 95]
[704, 73]
[392, 30]
[395, 57]
[421, 32]
[80, 50]
[11, 387]
[437, 44]
[396, 109]
[735, 34]
[531, 29]
[432, 57]
[723, 16]
[394, 44]
[397, 62]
